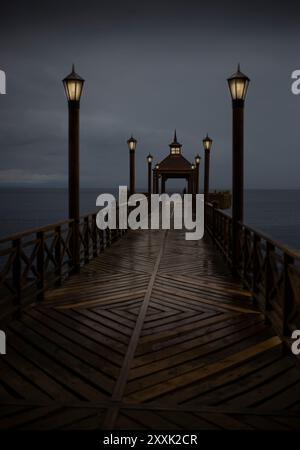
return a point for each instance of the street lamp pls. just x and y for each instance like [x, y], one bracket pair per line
[149, 159]
[197, 159]
[73, 85]
[238, 85]
[197, 162]
[131, 142]
[207, 143]
[191, 187]
[156, 180]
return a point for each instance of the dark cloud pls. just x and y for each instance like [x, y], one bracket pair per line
[149, 67]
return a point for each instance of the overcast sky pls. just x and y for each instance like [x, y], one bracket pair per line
[150, 67]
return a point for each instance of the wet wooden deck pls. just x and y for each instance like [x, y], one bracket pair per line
[152, 334]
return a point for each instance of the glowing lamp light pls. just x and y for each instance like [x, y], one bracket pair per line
[132, 143]
[238, 85]
[197, 159]
[73, 85]
[207, 143]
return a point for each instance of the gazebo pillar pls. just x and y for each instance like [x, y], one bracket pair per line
[190, 184]
[155, 182]
[163, 184]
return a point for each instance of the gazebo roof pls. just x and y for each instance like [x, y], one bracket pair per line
[174, 163]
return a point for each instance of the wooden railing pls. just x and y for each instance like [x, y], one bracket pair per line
[41, 258]
[269, 269]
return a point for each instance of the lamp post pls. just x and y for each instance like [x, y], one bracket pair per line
[207, 143]
[197, 162]
[192, 181]
[156, 180]
[238, 85]
[149, 159]
[73, 85]
[131, 146]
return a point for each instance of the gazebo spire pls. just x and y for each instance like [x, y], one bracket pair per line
[175, 137]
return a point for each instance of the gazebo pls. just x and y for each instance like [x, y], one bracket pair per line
[174, 166]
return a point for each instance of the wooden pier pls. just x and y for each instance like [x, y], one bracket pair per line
[153, 333]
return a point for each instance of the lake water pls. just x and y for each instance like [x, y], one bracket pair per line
[276, 212]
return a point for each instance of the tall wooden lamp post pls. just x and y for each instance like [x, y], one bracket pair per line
[156, 180]
[238, 85]
[131, 142]
[193, 183]
[207, 143]
[149, 160]
[73, 85]
[197, 162]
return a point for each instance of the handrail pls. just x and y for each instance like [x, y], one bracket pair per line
[211, 205]
[268, 268]
[280, 245]
[35, 260]
[44, 228]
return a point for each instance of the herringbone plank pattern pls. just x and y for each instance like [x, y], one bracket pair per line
[152, 334]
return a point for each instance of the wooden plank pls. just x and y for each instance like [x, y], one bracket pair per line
[47, 357]
[196, 375]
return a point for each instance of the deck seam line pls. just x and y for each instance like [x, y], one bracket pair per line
[120, 386]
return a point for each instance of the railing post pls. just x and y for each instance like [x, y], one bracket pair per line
[228, 234]
[287, 300]
[268, 280]
[86, 240]
[17, 277]
[76, 246]
[206, 219]
[213, 228]
[101, 240]
[94, 234]
[226, 238]
[244, 253]
[118, 230]
[107, 237]
[223, 235]
[255, 263]
[230, 240]
[240, 249]
[40, 266]
[70, 248]
[114, 235]
[58, 260]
